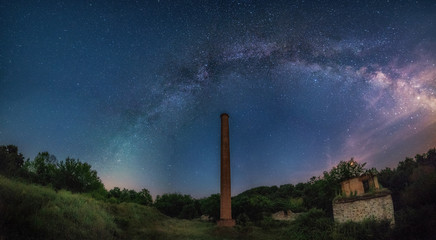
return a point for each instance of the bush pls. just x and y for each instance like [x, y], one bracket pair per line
[367, 229]
[311, 225]
[189, 212]
[116, 195]
[36, 212]
[211, 206]
[268, 223]
[174, 204]
[243, 220]
[297, 205]
[419, 223]
[255, 206]
[11, 160]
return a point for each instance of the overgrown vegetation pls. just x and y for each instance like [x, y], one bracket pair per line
[31, 211]
[177, 205]
[36, 212]
[74, 205]
[71, 175]
[413, 186]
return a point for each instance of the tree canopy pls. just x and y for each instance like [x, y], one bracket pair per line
[412, 182]
[11, 160]
[70, 174]
[345, 170]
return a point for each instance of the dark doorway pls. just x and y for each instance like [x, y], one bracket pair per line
[365, 186]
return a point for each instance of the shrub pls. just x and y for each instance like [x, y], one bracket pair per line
[268, 223]
[311, 225]
[11, 160]
[173, 204]
[36, 212]
[188, 212]
[419, 223]
[211, 206]
[367, 229]
[255, 206]
[297, 205]
[243, 219]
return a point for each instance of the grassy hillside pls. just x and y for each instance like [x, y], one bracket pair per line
[36, 212]
[30, 211]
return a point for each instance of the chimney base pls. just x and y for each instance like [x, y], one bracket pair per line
[226, 223]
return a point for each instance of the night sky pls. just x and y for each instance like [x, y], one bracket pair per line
[136, 89]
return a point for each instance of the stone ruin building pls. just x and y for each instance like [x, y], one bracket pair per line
[362, 198]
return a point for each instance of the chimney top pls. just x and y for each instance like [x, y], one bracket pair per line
[224, 114]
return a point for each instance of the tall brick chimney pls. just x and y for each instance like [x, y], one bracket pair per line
[226, 201]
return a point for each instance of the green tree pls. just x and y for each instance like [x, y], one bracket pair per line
[313, 224]
[77, 176]
[211, 206]
[11, 160]
[345, 170]
[398, 179]
[296, 204]
[45, 168]
[144, 197]
[117, 195]
[254, 206]
[189, 211]
[319, 193]
[173, 204]
[413, 186]
[422, 188]
[115, 192]
[127, 195]
[285, 191]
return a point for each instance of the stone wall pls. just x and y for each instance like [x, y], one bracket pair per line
[285, 216]
[356, 210]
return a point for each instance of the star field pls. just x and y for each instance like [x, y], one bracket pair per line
[136, 88]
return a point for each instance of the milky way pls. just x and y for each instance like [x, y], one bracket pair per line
[136, 89]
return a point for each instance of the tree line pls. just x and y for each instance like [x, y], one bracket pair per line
[71, 174]
[256, 204]
[412, 183]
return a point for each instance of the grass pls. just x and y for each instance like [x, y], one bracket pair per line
[374, 193]
[31, 211]
[35, 212]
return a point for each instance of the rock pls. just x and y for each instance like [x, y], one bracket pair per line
[205, 218]
[285, 216]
